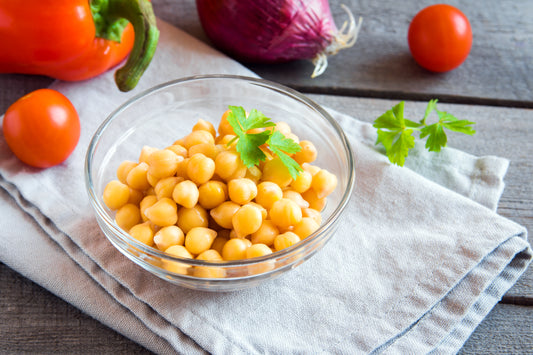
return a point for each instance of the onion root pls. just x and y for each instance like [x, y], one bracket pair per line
[345, 37]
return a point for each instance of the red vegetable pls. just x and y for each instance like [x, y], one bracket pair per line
[440, 38]
[273, 31]
[42, 128]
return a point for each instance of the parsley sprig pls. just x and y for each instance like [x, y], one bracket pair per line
[249, 144]
[395, 131]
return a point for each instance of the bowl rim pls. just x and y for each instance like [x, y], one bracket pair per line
[101, 211]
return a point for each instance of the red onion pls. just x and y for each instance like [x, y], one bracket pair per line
[273, 31]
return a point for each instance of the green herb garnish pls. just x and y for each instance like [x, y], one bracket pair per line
[395, 131]
[249, 144]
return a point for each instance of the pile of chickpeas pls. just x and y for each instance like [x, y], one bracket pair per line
[196, 198]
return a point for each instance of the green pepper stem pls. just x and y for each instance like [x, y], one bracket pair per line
[141, 15]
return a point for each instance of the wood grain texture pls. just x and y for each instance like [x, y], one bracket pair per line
[32, 320]
[498, 71]
[510, 328]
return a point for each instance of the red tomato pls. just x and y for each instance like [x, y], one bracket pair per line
[440, 38]
[42, 128]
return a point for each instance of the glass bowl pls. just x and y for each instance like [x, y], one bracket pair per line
[167, 112]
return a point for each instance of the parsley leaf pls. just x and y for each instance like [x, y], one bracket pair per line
[280, 145]
[249, 144]
[395, 131]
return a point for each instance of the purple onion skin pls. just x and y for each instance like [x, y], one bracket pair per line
[268, 31]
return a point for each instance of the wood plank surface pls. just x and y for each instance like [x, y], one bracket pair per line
[498, 72]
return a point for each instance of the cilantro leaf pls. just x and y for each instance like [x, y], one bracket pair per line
[249, 144]
[395, 131]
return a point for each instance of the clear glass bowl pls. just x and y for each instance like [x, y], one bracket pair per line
[167, 112]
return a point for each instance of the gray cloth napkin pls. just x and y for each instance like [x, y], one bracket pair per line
[420, 256]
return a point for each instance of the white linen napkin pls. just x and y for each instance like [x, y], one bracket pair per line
[420, 256]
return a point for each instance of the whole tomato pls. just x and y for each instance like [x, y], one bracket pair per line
[42, 128]
[440, 38]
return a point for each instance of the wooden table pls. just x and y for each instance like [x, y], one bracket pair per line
[494, 87]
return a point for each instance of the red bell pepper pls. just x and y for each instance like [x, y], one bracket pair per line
[75, 40]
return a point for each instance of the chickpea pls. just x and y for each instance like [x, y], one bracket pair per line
[229, 141]
[234, 249]
[303, 182]
[163, 163]
[207, 149]
[165, 187]
[265, 234]
[274, 170]
[296, 197]
[283, 128]
[212, 194]
[307, 154]
[324, 183]
[264, 212]
[268, 193]
[123, 170]
[210, 272]
[255, 251]
[186, 194]
[210, 255]
[128, 216]
[136, 196]
[197, 137]
[285, 213]
[220, 241]
[175, 266]
[143, 232]
[223, 214]
[152, 180]
[314, 202]
[258, 250]
[306, 227]
[312, 213]
[162, 213]
[116, 194]
[247, 220]
[145, 153]
[181, 171]
[199, 239]
[137, 177]
[253, 173]
[179, 251]
[311, 169]
[242, 190]
[147, 201]
[189, 218]
[285, 240]
[224, 126]
[200, 168]
[228, 165]
[196, 198]
[168, 236]
[179, 150]
[203, 125]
